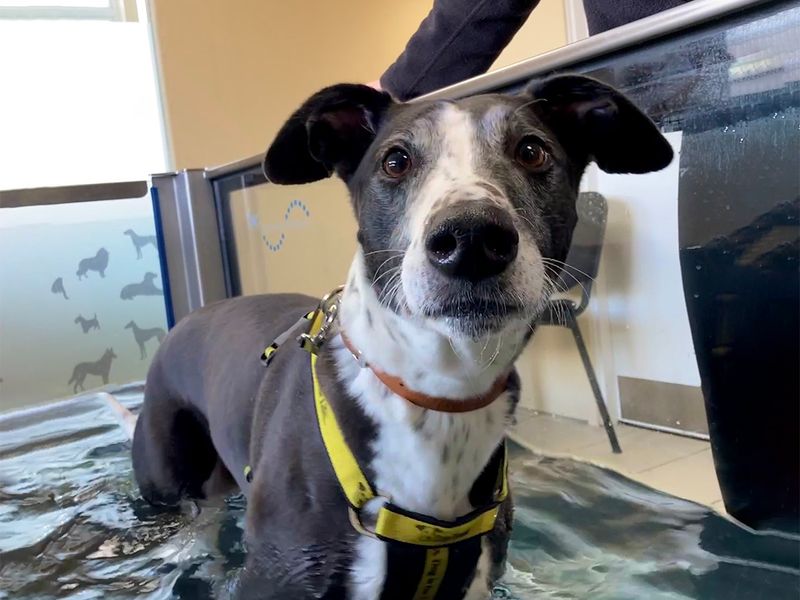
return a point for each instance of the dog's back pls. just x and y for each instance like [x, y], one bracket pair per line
[197, 380]
[211, 409]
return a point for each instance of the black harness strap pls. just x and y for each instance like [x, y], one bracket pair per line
[405, 569]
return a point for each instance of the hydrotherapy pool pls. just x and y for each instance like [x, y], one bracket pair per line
[72, 526]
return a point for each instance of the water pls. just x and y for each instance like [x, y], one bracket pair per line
[72, 526]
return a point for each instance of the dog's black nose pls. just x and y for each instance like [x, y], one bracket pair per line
[474, 244]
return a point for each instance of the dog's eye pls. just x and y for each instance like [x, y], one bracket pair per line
[396, 163]
[531, 155]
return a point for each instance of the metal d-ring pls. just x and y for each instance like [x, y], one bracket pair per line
[329, 305]
[355, 521]
[355, 514]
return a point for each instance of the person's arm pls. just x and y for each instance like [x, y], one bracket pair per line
[457, 40]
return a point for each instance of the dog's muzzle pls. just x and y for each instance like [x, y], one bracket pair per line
[471, 243]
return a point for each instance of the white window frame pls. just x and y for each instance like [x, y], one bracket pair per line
[116, 10]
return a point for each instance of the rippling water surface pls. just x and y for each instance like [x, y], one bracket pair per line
[72, 526]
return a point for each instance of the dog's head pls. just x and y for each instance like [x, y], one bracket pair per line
[463, 205]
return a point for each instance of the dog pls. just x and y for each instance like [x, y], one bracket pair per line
[58, 288]
[87, 324]
[145, 287]
[101, 367]
[143, 335]
[360, 460]
[98, 263]
[140, 241]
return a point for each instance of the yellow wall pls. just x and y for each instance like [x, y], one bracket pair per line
[232, 70]
[545, 30]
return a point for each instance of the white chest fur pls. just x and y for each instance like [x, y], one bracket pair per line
[424, 461]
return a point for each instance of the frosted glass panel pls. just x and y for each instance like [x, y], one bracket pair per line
[81, 300]
[292, 239]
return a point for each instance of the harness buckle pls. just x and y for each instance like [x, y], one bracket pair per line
[329, 307]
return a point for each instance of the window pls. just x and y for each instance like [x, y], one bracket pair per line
[101, 10]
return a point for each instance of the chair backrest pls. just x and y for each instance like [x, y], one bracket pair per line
[583, 258]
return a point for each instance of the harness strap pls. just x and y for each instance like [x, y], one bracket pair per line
[432, 573]
[269, 351]
[427, 558]
[395, 523]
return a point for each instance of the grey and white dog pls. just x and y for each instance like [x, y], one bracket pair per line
[465, 212]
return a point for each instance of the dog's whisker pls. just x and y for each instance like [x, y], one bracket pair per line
[577, 281]
[398, 250]
[390, 272]
[527, 104]
[566, 266]
[378, 270]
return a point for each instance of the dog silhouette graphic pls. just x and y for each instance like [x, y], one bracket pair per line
[101, 368]
[140, 241]
[87, 324]
[58, 288]
[98, 263]
[146, 287]
[143, 335]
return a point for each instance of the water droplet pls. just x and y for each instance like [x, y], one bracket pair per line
[727, 207]
[698, 267]
[695, 295]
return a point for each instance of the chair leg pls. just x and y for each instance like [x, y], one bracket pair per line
[572, 323]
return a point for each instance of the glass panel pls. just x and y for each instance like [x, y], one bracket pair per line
[298, 239]
[80, 298]
[699, 281]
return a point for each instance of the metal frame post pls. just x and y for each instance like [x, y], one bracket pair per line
[189, 239]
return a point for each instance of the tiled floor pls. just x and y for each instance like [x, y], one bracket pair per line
[674, 464]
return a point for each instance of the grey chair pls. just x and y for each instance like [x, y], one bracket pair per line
[583, 262]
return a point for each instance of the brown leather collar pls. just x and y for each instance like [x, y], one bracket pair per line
[397, 386]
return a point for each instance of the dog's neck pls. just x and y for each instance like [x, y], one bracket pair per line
[426, 461]
[426, 359]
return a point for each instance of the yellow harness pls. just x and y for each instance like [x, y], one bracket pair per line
[393, 523]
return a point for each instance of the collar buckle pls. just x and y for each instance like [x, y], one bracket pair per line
[327, 310]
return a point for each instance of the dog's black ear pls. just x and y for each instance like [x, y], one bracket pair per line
[329, 132]
[596, 122]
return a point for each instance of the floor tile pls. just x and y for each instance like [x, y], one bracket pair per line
[692, 477]
[674, 464]
[643, 450]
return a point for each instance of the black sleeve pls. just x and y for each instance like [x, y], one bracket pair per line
[458, 39]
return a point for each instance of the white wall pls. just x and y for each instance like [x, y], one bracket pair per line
[636, 325]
